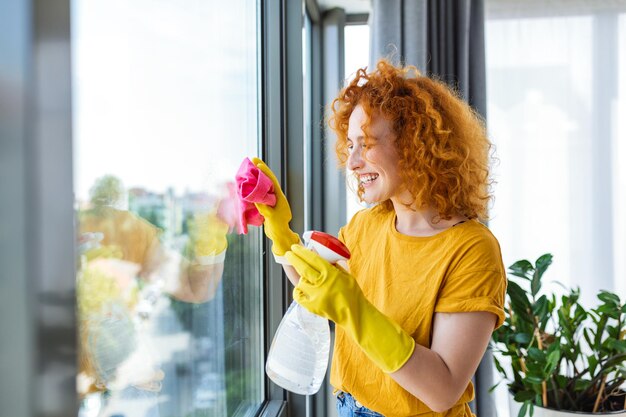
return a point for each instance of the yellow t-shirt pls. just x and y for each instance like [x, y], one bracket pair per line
[409, 279]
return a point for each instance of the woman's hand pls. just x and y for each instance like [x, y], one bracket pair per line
[331, 292]
[277, 218]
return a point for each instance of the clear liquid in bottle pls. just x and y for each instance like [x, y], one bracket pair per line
[298, 356]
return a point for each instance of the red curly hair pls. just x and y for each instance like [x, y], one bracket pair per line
[441, 142]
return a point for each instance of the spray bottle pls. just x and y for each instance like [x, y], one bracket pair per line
[298, 356]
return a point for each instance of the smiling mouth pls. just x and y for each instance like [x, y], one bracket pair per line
[367, 179]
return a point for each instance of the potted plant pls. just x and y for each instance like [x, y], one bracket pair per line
[556, 355]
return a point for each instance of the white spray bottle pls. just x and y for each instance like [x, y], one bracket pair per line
[298, 356]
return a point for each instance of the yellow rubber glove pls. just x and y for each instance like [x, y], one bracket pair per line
[208, 235]
[331, 292]
[277, 218]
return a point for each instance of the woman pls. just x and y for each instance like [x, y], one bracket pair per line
[426, 284]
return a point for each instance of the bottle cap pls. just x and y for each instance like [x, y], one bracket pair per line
[327, 246]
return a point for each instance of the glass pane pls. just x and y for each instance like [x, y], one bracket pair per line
[356, 47]
[539, 80]
[165, 100]
[555, 98]
[619, 162]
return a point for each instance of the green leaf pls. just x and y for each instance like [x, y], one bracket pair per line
[535, 284]
[540, 304]
[521, 268]
[522, 410]
[600, 330]
[519, 274]
[537, 354]
[493, 387]
[518, 297]
[593, 362]
[581, 384]
[564, 322]
[613, 331]
[617, 345]
[522, 396]
[561, 381]
[571, 298]
[553, 360]
[542, 264]
[522, 338]
[499, 367]
[534, 367]
[608, 310]
[580, 313]
[533, 379]
[617, 360]
[609, 297]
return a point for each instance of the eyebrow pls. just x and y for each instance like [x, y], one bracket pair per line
[361, 137]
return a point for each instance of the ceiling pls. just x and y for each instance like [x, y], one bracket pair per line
[350, 6]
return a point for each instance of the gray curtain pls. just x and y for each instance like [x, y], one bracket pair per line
[440, 37]
[444, 38]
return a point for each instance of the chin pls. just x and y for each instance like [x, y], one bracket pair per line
[371, 200]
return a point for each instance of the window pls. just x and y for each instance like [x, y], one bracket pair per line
[356, 56]
[553, 102]
[555, 88]
[307, 114]
[165, 98]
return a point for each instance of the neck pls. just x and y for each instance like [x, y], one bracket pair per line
[415, 222]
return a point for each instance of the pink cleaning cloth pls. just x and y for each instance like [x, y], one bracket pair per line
[237, 213]
[253, 186]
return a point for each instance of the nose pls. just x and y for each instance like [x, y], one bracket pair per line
[355, 161]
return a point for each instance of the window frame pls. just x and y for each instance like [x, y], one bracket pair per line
[39, 363]
[39, 315]
[283, 150]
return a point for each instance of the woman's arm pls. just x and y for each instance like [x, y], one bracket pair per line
[436, 375]
[292, 274]
[439, 375]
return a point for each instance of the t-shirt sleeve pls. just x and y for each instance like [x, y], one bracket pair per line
[478, 283]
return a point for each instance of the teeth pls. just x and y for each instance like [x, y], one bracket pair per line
[368, 178]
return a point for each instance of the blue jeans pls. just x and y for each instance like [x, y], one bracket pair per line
[347, 406]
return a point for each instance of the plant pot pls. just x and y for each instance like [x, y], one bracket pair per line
[515, 406]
